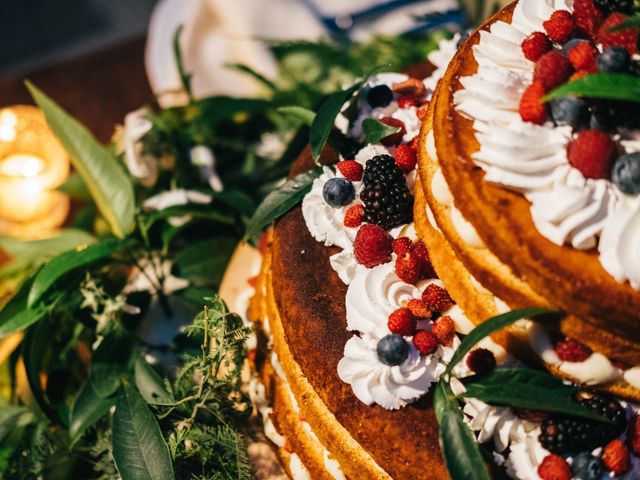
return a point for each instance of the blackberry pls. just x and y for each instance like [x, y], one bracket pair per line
[608, 115]
[387, 200]
[562, 433]
[611, 6]
[379, 96]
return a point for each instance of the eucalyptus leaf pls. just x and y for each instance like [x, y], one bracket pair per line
[75, 187]
[111, 363]
[304, 115]
[139, 450]
[87, 409]
[16, 315]
[105, 178]
[374, 131]
[502, 375]
[10, 415]
[150, 384]
[203, 263]
[36, 344]
[612, 86]
[281, 200]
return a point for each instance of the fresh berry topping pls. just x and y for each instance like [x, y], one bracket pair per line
[426, 342]
[392, 350]
[627, 38]
[559, 26]
[351, 169]
[411, 87]
[626, 173]
[633, 435]
[409, 268]
[407, 102]
[592, 152]
[395, 138]
[379, 96]
[338, 192]
[387, 200]
[569, 350]
[420, 251]
[353, 216]
[402, 322]
[445, 330]
[372, 246]
[554, 467]
[406, 158]
[583, 57]
[531, 107]
[536, 45]
[419, 310]
[436, 298]
[587, 17]
[569, 111]
[613, 60]
[562, 433]
[402, 245]
[572, 43]
[552, 69]
[615, 457]
[586, 467]
[576, 75]
[415, 142]
[423, 111]
[608, 115]
[481, 361]
[611, 6]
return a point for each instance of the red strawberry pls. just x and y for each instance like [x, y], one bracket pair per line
[569, 350]
[287, 446]
[411, 87]
[402, 322]
[402, 245]
[552, 69]
[406, 102]
[408, 268]
[593, 153]
[633, 435]
[426, 342]
[406, 158]
[422, 112]
[415, 142]
[420, 251]
[583, 57]
[531, 108]
[351, 169]
[372, 246]
[481, 361]
[445, 330]
[353, 216]
[615, 457]
[554, 467]
[625, 38]
[436, 298]
[535, 45]
[559, 26]
[419, 310]
[395, 138]
[587, 17]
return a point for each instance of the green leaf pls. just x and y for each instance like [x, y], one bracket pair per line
[492, 325]
[150, 384]
[216, 109]
[139, 450]
[36, 344]
[16, 315]
[203, 263]
[105, 178]
[304, 115]
[613, 86]
[10, 415]
[185, 78]
[631, 22]
[70, 261]
[374, 131]
[111, 363]
[460, 448]
[75, 188]
[253, 73]
[87, 409]
[281, 200]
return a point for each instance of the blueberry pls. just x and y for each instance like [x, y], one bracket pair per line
[570, 44]
[626, 173]
[570, 111]
[338, 192]
[603, 116]
[586, 467]
[613, 60]
[392, 350]
[379, 96]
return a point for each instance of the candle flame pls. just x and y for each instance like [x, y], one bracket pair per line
[8, 123]
[21, 165]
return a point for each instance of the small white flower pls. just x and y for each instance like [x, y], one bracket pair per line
[152, 275]
[203, 158]
[141, 166]
[174, 198]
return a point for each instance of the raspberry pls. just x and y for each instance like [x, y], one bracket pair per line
[615, 457]
[436, 298]
[353, 216]
[426, 342]
[402, 322]
[419, 310]
[536, 45]
[411, 87]
[586, 17]
[351, 169]
[402, 245]
[552, 69]
[406, 158]
[572, 351]
[481, 361]
[583, 57]
[415, 142]
[372, 246]
[625, 38]
[395, 138]
[408, 268]
[559, 26]
[445, 330]
[531, 108]
[422, 112]
[420, 251]
[406, 102]
[554, 467]
[633, 435]
[593, 153]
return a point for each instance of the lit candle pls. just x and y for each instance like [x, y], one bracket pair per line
[32, 164]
